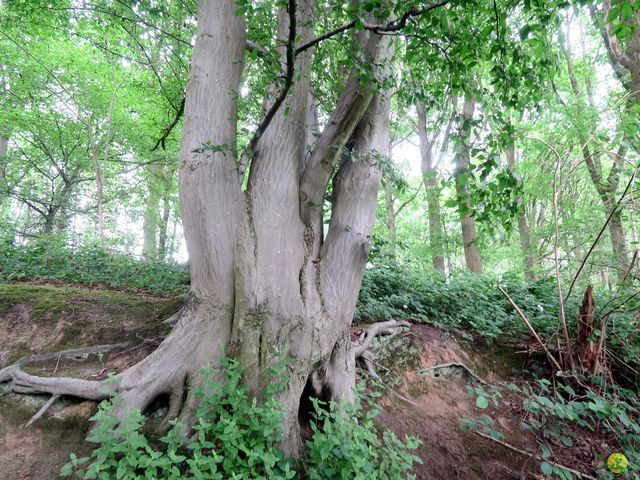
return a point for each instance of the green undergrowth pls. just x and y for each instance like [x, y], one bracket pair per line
[51, 259]
[237, 437]
[473, 303]
[569, 417]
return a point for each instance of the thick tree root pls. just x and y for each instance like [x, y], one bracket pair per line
[22, 382]
[361, 348]
[171, 370]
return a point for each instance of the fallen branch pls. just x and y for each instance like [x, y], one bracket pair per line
[533, 455]
[42, 411]
[454, 364]
[552, 359]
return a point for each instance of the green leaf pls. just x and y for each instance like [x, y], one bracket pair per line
[482, 402]
[546, 469]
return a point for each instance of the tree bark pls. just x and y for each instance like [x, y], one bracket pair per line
[463, 161]
[430, 167]
[523, 226]
[264, 281]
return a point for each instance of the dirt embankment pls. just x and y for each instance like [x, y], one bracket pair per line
[430, 405]
[43, 319]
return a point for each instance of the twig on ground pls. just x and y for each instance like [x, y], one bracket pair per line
[533, 455]
[552, 359]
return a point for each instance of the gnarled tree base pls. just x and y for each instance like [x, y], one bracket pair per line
[173, 369]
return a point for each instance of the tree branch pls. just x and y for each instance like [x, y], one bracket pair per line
[552, 359]
[288, 79]
[393, 26]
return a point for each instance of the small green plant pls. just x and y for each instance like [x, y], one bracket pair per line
[558, 413]
[237, 437]
[345, 445]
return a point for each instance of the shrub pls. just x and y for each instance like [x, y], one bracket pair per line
[236, 437]
[345, 445]
[558, 414]
[51, 259]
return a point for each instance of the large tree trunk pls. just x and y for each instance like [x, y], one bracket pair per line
[264, 281]
[463, 162]
[523, 227]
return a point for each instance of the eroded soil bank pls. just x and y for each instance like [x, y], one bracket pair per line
[431, 404]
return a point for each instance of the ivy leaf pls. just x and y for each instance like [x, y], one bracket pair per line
[482, 402]
[546, 469]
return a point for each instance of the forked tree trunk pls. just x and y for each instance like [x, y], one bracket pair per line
[264, 281]
[463, 162]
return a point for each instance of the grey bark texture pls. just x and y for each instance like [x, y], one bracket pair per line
[264, 281]
[463, 162]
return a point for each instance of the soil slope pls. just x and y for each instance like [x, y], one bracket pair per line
[431, 404]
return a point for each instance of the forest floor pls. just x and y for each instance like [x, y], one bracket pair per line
[430, 405]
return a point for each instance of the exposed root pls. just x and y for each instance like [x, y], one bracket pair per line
[195, 341]
[5, 373]
[471, 373]
[361, 347]
[22, 382]
[380, 328]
